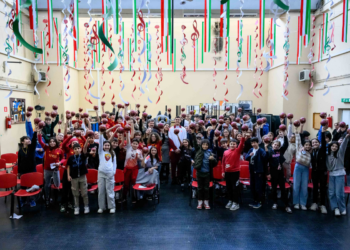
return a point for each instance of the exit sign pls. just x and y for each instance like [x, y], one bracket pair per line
[345, 100]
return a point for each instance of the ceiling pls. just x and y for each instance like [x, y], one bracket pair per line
[189, 6]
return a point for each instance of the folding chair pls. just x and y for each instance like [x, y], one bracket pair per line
[218, 179]
[92, 177]
[152, 187]
[15, 172]
[3, 166]
[8, 181]
[60, 187]
[119, 182]
[29, 180]
[10, 159]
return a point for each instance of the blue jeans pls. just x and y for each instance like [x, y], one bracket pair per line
[300, 181]
[336, 192]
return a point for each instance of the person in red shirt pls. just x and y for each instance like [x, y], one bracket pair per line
[230, 170]
[53, 158]
[155, 141]
[138, 136]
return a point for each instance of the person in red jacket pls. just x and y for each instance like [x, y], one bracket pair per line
[53, 158]
[230, 170]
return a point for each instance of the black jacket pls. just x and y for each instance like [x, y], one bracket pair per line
[338, 135]
[77, 166]
[319, 156]
[219, 151]
[26, 158]
[276, 158]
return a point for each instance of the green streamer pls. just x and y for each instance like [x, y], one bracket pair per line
[21, 39]
[280, 4]
[104, 40]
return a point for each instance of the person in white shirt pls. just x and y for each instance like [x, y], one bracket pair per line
[177, 139]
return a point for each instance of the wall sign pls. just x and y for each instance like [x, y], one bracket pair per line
[332, 108]
[346, 100]
[17, 110]
[5, 109]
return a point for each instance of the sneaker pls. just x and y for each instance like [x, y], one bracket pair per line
[343, 213]
[314, 207]
[63, 209]
[32, 203]
[76, 211]
[86, 210]
[200, 205]
[274, 206]
[112, 211]
[323, 209]
[234, 207]
[304, 208]
[156, 197]
[257, 205]
[206, 205]
[70, 206]
[149, 198]
[296, 206]
[100, 211]
[252, 204]
[337, 212]
[288, 210]
[229, 204]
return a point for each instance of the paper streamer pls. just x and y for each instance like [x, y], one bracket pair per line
[149, 54]
[121, 51]
[215, 73]
[274, 9]
[345, 21]
[194, 38]
[104, 40]
[255, 58]
[305, 15]
[327, 47]
[240, 44]
[183, 42]
[262, 23]
[21, 39]
[312, 54]
[159, 74]
[286, 47]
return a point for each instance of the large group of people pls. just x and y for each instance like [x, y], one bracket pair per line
[148, 152]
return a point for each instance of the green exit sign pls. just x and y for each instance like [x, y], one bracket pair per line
[345, 100]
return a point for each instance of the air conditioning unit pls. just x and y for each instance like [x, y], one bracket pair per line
[39, 76]
[304, 75]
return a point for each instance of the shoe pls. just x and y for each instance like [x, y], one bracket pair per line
[274, 206]
[86, 210]
[76, 211]
[200, 205]
[112, 211]
[121, 201]
[337, 212]
[323, 209]
[252, 204]
[206, 205]
[234, 206]
[229, 204]
[156, 197]
[304, 208]
[149, 198]
[70, 206]
[288, 210]
[343, 213]
[257, 205]
[63, 209]
[32, 203]
[296, 206]
[100, 211]
[314, 207]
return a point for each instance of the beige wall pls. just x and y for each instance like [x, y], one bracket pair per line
[201, 87]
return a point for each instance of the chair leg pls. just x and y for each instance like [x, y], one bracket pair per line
[190, 195]
[19, 203]
[12, 204]
[347, 200]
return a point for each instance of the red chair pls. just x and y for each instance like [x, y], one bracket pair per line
[8, 181]
[148, 188]
[245, 175]
[217, 176]
[10, 159]
[92, 177]
[15, 172]
[2, 166]
[244, 163]
[28, 180]
[119, 178]
[194, 184]
[40, 168]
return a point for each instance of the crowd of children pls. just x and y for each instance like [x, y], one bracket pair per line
[146, 152]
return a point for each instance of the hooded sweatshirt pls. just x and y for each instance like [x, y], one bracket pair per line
[335, 165]
[249, 124]
[108, 163]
